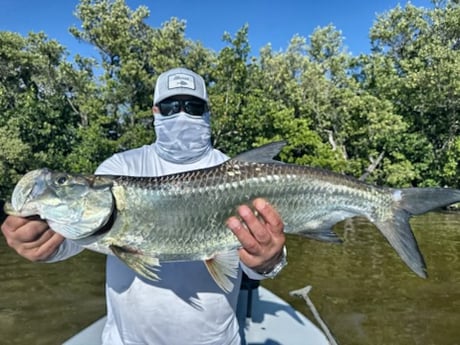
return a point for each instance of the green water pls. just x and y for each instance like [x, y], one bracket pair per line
[361, 288]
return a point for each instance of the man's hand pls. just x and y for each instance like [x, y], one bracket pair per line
[32, 239]
[261, 235]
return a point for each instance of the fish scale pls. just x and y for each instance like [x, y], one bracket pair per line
[147, 220]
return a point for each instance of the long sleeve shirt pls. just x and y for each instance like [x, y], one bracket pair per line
[185, 306]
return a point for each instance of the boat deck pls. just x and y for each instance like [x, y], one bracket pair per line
[272, 321]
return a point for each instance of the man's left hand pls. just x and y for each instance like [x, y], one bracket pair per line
[261, 235]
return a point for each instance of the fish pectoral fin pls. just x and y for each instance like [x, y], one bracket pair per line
[223, 266]
[324, 235]
[142, 264]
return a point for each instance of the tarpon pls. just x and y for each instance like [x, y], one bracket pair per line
[181, 217]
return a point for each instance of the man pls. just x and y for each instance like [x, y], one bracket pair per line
[185, 306]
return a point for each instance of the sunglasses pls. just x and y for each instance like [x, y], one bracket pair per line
[174, 106]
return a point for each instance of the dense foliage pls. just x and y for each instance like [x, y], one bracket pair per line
[390, 117]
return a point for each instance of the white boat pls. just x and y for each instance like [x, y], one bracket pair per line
[268, 319]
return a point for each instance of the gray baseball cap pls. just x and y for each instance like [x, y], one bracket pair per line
[179, 81]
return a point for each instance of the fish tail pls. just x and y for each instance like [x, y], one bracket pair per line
[421, 200]
[397, 230]
[399, 234]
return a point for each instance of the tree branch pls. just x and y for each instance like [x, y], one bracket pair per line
[372, 166]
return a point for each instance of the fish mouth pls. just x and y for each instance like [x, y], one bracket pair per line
[28, 188]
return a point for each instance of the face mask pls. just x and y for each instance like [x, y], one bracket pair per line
[182, 138]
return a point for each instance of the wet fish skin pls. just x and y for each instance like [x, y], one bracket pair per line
[147, 220]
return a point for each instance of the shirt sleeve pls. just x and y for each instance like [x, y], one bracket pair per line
[66, 250]
[251, 273]
[110, 166]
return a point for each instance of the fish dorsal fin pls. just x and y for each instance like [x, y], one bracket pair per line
[223, 266]
[262, 154]
[144, 265]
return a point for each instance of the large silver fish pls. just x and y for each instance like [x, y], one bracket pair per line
[146, 220]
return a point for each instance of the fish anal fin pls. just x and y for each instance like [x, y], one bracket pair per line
[142, 264]
[223, 266]
[323, 235]
[319, 228]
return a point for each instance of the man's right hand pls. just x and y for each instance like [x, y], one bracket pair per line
[32, 239]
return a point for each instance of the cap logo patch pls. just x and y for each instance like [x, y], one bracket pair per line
[181, 80]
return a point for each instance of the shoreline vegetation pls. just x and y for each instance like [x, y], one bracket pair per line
[389, 117]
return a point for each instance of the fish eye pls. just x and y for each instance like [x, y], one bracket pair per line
[61, 180]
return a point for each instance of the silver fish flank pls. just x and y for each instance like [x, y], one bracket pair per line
[181, 217]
